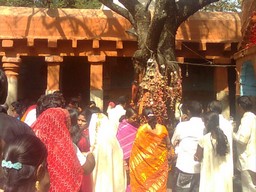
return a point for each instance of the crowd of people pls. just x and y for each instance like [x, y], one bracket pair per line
[54, 146]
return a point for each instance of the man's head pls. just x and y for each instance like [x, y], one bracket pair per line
[122, 100]
[3, 87]
[53, 100]
[245, 102]
[215, 106]
[194, 108]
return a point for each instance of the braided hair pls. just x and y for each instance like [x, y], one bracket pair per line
[212, 125]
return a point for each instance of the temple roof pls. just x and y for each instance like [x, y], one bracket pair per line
[84, 24]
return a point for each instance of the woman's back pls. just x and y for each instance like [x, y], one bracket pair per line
[149, 156]
[214, 174]
[108, 173]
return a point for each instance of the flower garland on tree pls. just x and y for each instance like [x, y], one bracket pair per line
[156, 92]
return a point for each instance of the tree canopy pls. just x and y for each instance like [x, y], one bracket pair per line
[79, 4]
[223, 5]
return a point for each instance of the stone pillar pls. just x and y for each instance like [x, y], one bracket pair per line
[11, 68]
[53, 73]
[96, 79]
[222, 91]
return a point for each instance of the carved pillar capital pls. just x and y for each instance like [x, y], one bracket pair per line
[11, 65]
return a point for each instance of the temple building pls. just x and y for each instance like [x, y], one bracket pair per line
[246, 56]
[89, 52]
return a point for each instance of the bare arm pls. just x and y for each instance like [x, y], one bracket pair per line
[89, 165]
[199, 154]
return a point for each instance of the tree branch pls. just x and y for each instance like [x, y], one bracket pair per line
[147, 4]
[187, 8]
[130, 5]
[120, 10]
[157, 24]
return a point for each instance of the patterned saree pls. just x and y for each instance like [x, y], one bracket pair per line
[64, 168]
[148, 161]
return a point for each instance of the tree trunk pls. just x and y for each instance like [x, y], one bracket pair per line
[157, 74]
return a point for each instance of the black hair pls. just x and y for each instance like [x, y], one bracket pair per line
[75, 131]
[53, 100]
[91, 104]
[95, 109]
[195, 108]
[19, 107]
[3, 87]
[150, 116]
[129, 112]
[215, 106]
[211, 120]
[31, 152]
[87, 113]
[122, 100]
[245, 102]
[73, 113]
[74, 101]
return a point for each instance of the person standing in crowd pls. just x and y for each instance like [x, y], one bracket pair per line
[111, 105]
[80, 142]
[246, 145]
[109, 174]
[29, 116]
[91, 104]
[17, 109]
[63, 165]
[149, 156]
[117, 112]
[10, 127]
[83, 141]
[227, 128]
[126, 134]
[52, 100]
[74, 103]
[213, 150]
[185, 140]
[24, 165]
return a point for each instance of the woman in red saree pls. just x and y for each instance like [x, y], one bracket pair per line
[64, 168]
[149, 156]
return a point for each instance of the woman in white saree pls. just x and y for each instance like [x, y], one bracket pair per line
[109, 174]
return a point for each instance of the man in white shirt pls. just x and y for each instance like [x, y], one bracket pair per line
[118, 111]
[185, 139]
[246, 145]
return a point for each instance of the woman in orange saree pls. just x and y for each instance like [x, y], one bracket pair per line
[149, 156]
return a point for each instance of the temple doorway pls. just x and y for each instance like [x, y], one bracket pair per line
[75, 78]
[32, 79]
[118, 78]
[197, 82]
